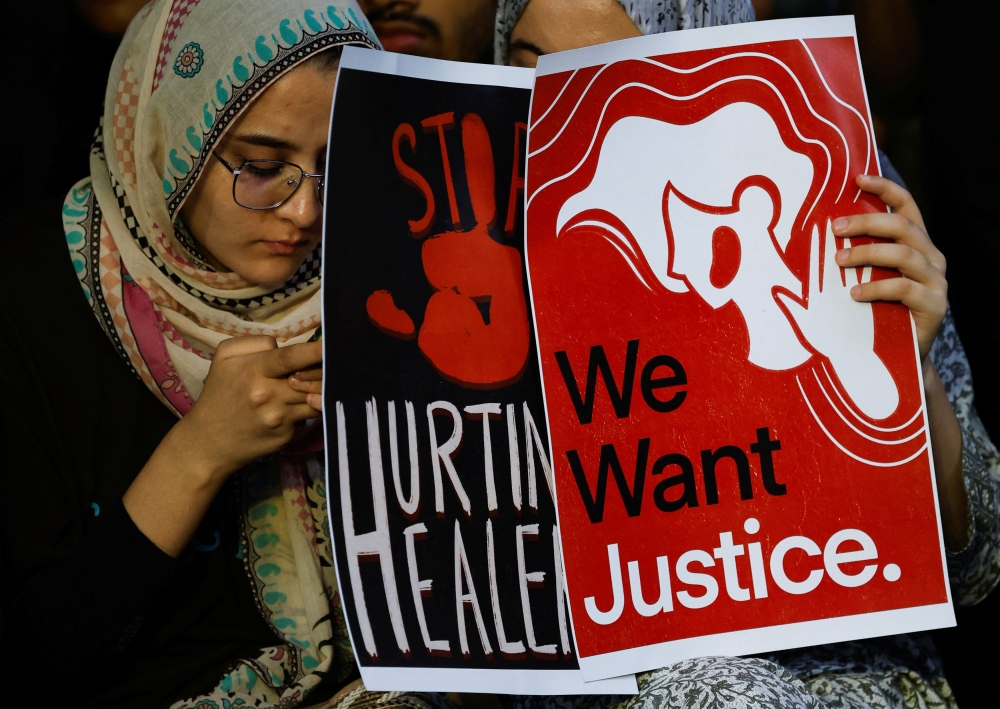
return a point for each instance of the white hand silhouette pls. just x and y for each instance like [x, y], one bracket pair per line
[843, 330]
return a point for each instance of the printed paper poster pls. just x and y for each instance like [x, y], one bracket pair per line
[439, 474]
[740, 450]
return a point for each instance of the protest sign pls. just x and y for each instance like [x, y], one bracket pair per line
[439, 476]
[740, 450]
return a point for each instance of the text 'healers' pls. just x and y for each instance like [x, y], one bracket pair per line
[663, 385]
[445, 442]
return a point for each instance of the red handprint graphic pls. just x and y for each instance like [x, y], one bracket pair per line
[466, 269]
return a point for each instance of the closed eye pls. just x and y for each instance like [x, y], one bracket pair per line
[256, 170]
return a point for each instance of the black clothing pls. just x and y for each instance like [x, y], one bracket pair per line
[96, 612]
[961, 151]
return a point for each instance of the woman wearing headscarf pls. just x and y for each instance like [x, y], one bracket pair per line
[892, 672]
[165, 535]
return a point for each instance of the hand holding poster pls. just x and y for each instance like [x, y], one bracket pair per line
[742, 445]
[439, 476]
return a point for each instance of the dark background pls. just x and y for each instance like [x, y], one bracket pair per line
[53, 96]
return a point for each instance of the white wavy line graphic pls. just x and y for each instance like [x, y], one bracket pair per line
[717, 60]
[802, 92]
[857, 416]
[635, 85]
[859, 431]
[572, 113]
[619, 235]
[849, 107]
[848, 452]
[556, 100]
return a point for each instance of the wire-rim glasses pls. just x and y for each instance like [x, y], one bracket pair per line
[268, 184]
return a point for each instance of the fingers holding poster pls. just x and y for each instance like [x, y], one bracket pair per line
[439, 478]
[726, 422]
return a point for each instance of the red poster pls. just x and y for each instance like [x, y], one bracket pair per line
[741, 452]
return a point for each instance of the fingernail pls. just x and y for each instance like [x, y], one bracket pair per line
[856, 291]
[840, 224]
[842, 255]
[294, 383]
[315, 401]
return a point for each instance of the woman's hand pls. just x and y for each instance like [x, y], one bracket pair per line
[248, 408]
[310, 383]
[921, 285]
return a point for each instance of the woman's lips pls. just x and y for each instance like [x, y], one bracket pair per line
[286, 248]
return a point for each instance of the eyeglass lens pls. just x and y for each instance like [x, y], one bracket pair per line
[262, 184]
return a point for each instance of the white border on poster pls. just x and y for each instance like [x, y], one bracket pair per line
[696, 40]
[772, 638]
[483, 681]
[435, 679]
[364, 59]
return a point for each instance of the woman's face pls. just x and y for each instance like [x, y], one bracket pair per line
[548, 26]
[289, 122]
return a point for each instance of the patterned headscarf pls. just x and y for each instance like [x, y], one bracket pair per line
[650, 16]
[186, 69]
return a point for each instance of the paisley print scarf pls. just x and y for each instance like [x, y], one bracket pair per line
[185, 71]
[650, 16]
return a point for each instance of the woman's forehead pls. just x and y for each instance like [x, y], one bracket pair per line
[290, 113]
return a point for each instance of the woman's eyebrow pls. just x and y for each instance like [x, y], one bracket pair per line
[527, 46]
[265, 141]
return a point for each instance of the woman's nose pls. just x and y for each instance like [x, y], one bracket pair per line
[304, 207]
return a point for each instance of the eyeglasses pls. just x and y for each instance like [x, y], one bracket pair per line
[268, 184]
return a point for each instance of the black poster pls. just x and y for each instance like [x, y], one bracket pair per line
[439, 474]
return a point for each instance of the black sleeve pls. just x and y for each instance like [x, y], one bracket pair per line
[74, 573]
[76, 427]
[95, 598]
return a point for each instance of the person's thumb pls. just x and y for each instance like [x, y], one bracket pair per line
[247, 344]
